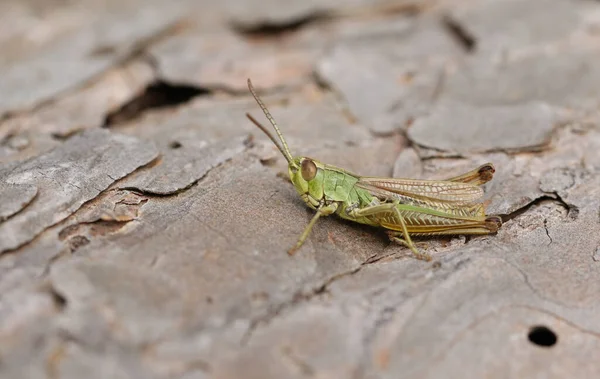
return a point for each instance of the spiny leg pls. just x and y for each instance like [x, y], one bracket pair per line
[321, 211]
[407, 241]
[394, 235]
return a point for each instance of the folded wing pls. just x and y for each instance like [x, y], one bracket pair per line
[435, 193]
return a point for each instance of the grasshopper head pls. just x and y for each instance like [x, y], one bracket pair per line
[307, 176]
[305, 173]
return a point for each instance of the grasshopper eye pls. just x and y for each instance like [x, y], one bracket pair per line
[308, 169]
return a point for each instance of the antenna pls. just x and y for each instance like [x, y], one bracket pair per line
[261, 127]
[285, 150]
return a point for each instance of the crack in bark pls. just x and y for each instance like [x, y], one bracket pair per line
[460, 33]
[182, 189]
[297, 298]
[157, 95]
[450, 154]
[74, 238]
[82, 206]
[137, 51]
[23, 208]
[530, 286]
[279, 29]
[111, 187]
[58, 299]
[537, 201]
[547, 232]
[572, 210]
[596, 254]
[274, 29]
[386, 314]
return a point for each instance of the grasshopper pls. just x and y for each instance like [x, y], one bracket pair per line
[404, 207]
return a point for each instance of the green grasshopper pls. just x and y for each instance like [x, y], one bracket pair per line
[404, 207]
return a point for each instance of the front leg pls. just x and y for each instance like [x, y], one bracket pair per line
[406, 241]
[323, 210]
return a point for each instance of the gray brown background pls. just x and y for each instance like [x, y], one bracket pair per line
[143, 224]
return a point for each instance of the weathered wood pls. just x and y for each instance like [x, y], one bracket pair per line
[144, 226]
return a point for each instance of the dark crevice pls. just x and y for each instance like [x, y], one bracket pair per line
[572, 210]
[533, 203]
[137, 51]
[142, 192]
[274, 29]
[60, 302]
[58, 136]
[460, 33]
[157, 95]
[150, 193]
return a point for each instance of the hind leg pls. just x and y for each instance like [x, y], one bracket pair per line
[397, 237]
[405, 236]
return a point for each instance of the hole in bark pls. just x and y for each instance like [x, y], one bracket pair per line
[175, 145]
[542, 336]
[460, 33]
[156, 95]
[270, 29]
[59, 300]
